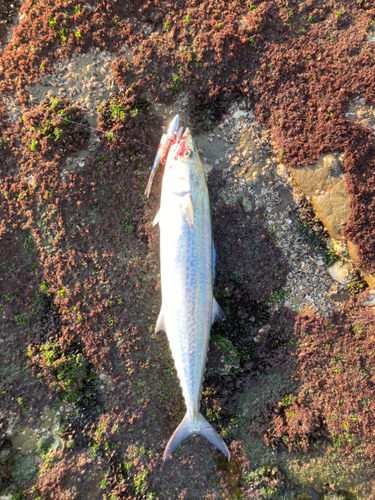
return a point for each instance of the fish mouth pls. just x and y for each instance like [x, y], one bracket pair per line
[176, 145]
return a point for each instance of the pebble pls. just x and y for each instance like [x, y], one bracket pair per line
[308, 286]
[370, 301]
[342, 272]
[207, 168]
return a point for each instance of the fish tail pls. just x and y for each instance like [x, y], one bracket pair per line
[189, 426]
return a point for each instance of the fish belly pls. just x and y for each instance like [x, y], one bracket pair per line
[187, 297]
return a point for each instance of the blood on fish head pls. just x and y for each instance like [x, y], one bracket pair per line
[183, 162]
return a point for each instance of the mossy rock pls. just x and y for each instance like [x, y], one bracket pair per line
[348, 475]
[23, 470]
[229, 356]
[47, 443]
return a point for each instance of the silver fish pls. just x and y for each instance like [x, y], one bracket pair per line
[187, 273]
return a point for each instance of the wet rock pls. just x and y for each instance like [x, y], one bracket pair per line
[370, 301]
[47, 443]
[362, 113]
[370, 279]
[237, 115]
[282, 171]
[324, 184]
[343, 272]
[339, 247]
[208, 168]
[247, 205]
[24, 469]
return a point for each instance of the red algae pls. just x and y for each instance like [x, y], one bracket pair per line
[79, 258]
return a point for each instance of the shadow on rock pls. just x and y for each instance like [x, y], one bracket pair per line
[250, 273]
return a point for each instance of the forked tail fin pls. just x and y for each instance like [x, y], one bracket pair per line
[195, 426]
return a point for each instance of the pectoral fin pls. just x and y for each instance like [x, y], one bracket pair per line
[217, 312]
[160, 154]
[189, 212]
[157, 218]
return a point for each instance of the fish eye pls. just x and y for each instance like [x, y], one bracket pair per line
[187, 153]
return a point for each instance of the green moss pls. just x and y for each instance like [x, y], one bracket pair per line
[24, 470]
[117, 111]
[18, 495]
[71, 373]
[52, 22]
[140, 483]
[19, 320]
[327, 465]
[127, 227]
[230, 358]
[277, 296]
[46, 444]
[176, 84]
[44, 287]
[237, 277]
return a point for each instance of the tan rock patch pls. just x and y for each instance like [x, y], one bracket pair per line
[333, 209]
[366, 274]
[343, 272]
[324, 184]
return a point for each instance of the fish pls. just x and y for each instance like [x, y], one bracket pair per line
[163, 149]
[187, 264]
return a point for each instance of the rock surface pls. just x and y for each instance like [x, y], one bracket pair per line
[324, 184]
[370, 301]
[343, 272]
[366, 274]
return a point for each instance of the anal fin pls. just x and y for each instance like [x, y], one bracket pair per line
[160, 324]
[217, 312]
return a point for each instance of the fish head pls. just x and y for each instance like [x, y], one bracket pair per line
[162, 152]
[183, 171]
